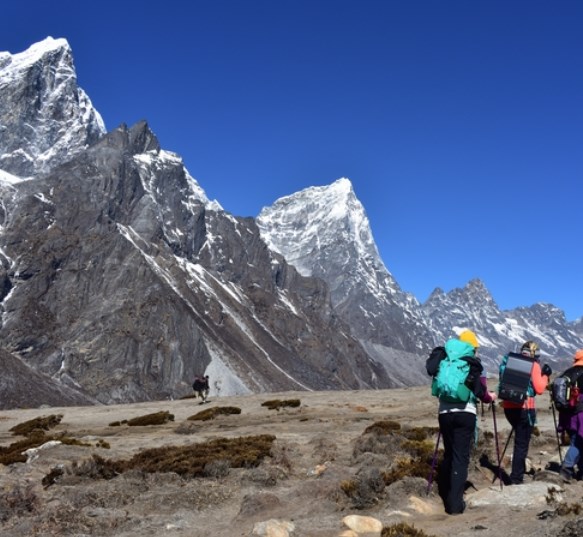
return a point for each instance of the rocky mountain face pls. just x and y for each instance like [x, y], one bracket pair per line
[324, 231]
[120, 280]
[501, 331]
[45, 118]
[124, 283]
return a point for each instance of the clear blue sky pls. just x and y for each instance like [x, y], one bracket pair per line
[459, 123]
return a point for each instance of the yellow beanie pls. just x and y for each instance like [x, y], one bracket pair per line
[468, 336]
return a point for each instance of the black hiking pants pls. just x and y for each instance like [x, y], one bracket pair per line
[457, 429]
[522, 421]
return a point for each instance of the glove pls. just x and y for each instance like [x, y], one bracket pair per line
[546, 370]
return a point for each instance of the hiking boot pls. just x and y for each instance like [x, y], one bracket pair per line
[566, 474]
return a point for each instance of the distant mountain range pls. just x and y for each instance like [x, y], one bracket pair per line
[120, 280]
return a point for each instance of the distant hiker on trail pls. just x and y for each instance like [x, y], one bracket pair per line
[571, 420]
[458, 382]
[522, 415]
[201, 387]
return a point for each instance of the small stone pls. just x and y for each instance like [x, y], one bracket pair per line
[363, 524]
[274, 528]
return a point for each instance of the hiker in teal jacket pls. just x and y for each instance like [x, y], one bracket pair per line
[457, 424]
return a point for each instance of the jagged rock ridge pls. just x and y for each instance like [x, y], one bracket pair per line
[120, 280]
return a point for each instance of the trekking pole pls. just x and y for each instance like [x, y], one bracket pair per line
[433, 464]
[503, 453]
[497, 446]
[557, 434]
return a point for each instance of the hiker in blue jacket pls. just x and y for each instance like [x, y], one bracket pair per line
[457, 424]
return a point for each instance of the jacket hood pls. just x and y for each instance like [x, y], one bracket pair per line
[456, 349]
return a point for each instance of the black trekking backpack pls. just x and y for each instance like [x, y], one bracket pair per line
[565, 391]
[515, 371]
[435, 358]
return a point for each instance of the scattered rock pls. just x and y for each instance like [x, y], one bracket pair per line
[363, 524]
[274, 528]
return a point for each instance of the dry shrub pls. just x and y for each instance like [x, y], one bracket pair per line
[52, 477]
[157, 418]
[196, 460]
[217, 468]
[17, 501]
[37, 424]
[364, 490]
[419, 433]
[403, 530]
[276, 404]
[212, 413]
[418, 449]
[564, 509]
[409, 452]
[349, 486]
[14, 452]
[407, 468]
[383, 427]
[388, 445]
[94, 468]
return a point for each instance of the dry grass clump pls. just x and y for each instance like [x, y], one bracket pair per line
[419, 433]
[416, 461]
[157, 418]
[118, 423]
[409, 452]
[212, 413]
[208, 459]
[365, 489]
[407, 468]
[403, 530]
[383, 427]
[276, 404]
[15, 452]
[37, 424]
[564, 509]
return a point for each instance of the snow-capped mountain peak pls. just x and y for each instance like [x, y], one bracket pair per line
[46, 117]
[12, 65]
[315, 219]
[324, 232]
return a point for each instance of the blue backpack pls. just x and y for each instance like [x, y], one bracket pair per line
[449, 383]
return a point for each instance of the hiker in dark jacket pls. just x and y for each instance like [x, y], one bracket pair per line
[457, 424]
[571, 422]
[201, 387]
